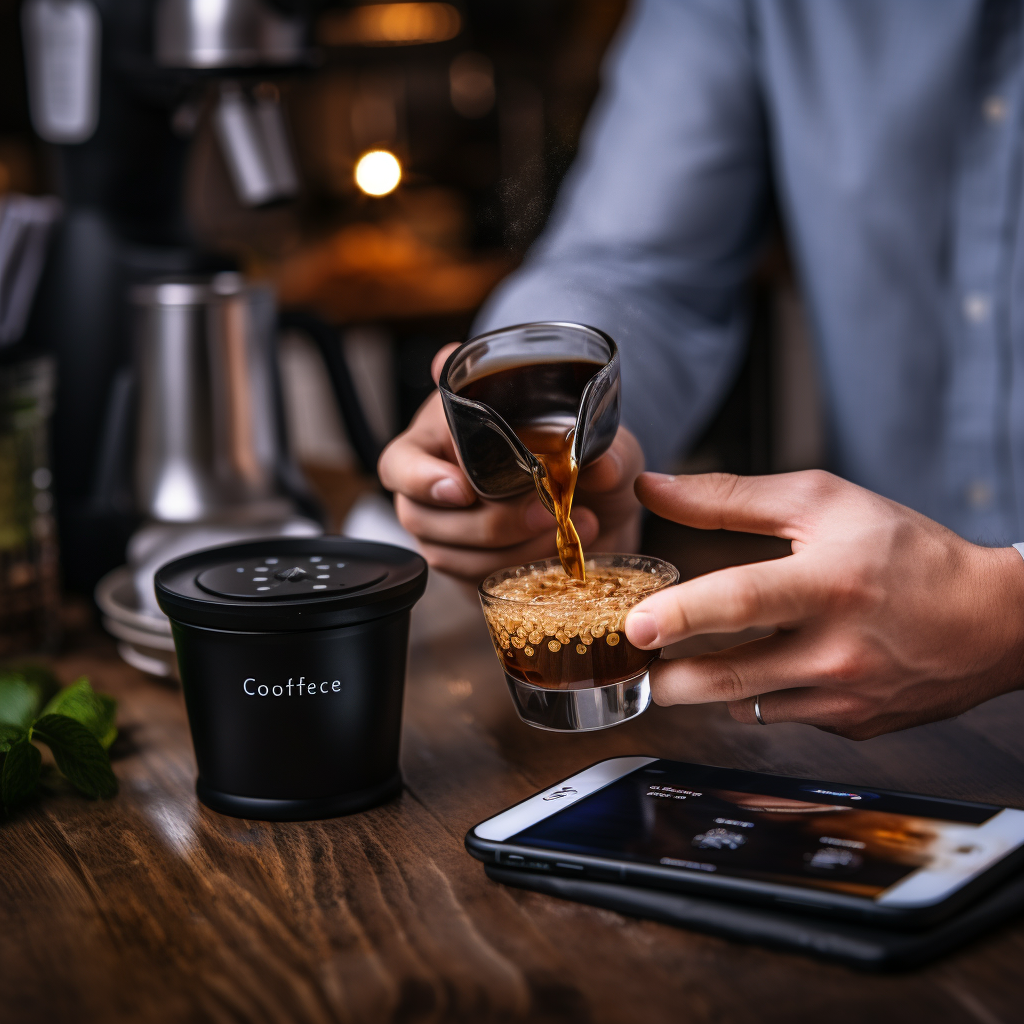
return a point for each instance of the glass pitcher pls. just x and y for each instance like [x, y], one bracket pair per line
[567, 372]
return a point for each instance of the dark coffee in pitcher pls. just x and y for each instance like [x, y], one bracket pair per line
[529, 406]
[539, 402]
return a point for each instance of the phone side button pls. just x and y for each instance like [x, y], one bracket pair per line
[568, 867]
[512, 859]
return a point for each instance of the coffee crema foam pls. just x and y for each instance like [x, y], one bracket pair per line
[554, 609]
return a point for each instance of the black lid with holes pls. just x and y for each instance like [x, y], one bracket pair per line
[290, 583]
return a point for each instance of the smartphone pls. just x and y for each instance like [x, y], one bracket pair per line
[889, 858]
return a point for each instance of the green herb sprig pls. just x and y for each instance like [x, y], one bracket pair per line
[76, 723]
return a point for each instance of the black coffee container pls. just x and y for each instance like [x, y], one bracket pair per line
[292, 655]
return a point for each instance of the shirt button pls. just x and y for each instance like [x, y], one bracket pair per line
[979, 494]
[994, 109]
[976, 307]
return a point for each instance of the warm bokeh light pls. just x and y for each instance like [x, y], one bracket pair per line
[391, 25]
[378, 172]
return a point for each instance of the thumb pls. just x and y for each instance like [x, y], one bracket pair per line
[437, 363]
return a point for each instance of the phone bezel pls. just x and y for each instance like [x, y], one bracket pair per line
[488, 841]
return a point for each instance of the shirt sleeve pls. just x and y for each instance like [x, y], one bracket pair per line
[655, 227]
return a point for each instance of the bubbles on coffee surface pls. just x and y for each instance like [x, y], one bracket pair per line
[553, 630]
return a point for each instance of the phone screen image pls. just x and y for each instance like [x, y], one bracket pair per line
[767, 828]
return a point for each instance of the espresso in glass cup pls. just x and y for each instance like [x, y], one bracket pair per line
[562, 641]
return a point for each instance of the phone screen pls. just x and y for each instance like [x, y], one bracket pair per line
[772, 829]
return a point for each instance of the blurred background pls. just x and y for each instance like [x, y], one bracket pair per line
[233, 233]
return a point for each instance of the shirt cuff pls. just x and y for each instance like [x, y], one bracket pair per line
[1020, 548]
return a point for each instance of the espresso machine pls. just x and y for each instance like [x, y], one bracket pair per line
[117, 88]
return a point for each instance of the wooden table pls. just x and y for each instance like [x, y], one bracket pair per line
[151, 908]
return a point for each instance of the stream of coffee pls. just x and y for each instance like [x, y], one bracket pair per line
[539, 402]
[551, 443]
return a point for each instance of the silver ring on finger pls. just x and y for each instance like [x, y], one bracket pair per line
[757, 710]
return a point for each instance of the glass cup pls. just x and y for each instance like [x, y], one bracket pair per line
[562, 644]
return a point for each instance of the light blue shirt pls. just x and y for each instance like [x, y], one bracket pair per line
[891, 130]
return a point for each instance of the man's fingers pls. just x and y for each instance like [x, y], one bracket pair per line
[616, 469]
[762, 594]
[420, 463]
[782, 706]
[793, 678]
[849, 711]
[474, 563]
[406, 468]
[441, 357]
[488, 524]
[781, 505]
[834, 710]
[776, 662]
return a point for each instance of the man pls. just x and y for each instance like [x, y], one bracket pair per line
[892, 134]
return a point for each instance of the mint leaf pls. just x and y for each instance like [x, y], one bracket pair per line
[9, 735]
[96, 711]
[20, 700]
[20, 774]
[109, 717]
[78, 755]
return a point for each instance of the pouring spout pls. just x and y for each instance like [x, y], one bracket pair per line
[598, 417]
[510, 395]
[540, 483]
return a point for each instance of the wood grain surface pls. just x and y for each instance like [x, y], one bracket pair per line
[151, 908]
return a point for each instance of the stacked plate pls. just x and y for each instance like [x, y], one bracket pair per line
[144, 637]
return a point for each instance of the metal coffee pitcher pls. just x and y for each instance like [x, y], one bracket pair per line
[496, 461]
[209, 443]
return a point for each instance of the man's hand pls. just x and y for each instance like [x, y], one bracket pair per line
[467, 537]
[883, 619]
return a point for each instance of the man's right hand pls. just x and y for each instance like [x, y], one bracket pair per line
[467, 537]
